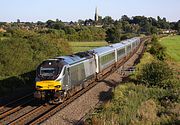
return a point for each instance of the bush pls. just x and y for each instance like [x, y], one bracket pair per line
[157, 49]
[155, 74]
[147, 58]
[137, 104]
[131, 104]
[19, 57]
[15, 57]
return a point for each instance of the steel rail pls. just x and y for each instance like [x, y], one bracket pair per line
[14, 101]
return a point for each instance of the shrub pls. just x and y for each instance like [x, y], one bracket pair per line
[147, 58]
[157, 49]
[131, 104]
[155, 74]
[19, 58]
[147, 112]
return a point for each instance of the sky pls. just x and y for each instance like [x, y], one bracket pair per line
[72, 10]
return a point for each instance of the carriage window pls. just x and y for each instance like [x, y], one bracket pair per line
[121, 52]
[107, 58]
[129, 48]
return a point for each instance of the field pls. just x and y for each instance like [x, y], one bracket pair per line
[84, 46]
[172, 44]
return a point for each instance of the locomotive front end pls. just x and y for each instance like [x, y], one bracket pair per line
[49, 79]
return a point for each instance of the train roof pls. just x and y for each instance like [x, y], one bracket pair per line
[118, 45]
[81, 56]
[77, 57]
[129, 41]
[102, 50]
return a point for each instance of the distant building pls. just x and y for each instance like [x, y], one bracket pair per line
[2, 30]
[18, 21]
[97, 19]
[96, 15]
[169, 31]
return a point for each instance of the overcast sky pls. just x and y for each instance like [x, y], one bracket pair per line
[72, 10]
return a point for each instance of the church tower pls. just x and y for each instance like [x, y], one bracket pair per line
[96, 15]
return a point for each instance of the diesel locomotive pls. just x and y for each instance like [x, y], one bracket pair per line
[58, 78]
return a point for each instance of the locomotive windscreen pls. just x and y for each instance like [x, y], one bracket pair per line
[47, 71]
[50, 69]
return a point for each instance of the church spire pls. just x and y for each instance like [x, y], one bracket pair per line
[96, 15]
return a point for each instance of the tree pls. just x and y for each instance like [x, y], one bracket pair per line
[81, 22]
[139, 20]
[58, 25]
[157, 49]
[177, 26]
[107, 20]
[69, 30]
[125, 18]
[113, 35]
[153, 21]
[85, 34]
[126, 27]
[89, 22]
[162, 23]
[40, 23]
[146, 27]
[50, 23]
[153, 30]
[155, 73]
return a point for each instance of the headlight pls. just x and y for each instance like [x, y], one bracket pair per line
[58, 86]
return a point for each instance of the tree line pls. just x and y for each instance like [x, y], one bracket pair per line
[104, 29]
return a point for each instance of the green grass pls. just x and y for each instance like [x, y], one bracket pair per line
[2, 38]
[172, 44]
[84, 46]
[137, 105]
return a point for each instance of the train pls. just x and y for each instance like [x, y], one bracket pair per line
[59, 78]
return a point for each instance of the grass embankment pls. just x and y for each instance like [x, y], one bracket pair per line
[172, 44]
[84, 46]
[136, 104]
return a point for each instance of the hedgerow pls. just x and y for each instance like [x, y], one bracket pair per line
[19, 57]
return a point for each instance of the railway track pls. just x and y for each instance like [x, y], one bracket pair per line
[38, 114]
[31, 115]
[43, 112]
[14, 105]
[15, 102]
[20, 110]
[18, 107]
